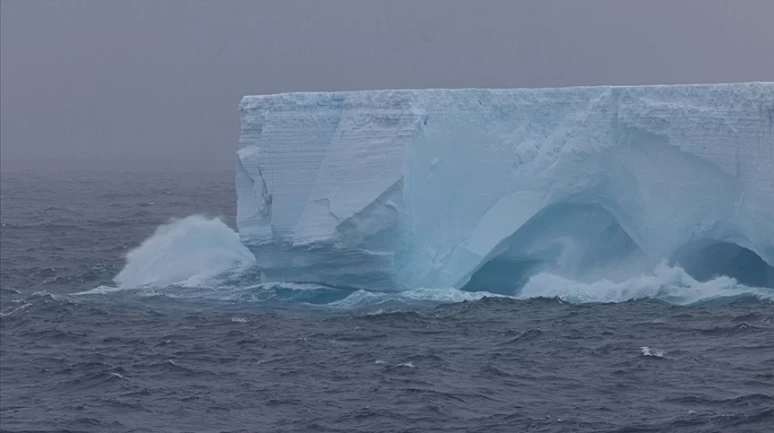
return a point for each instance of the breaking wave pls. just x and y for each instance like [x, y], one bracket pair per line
[192, 251]
[667, 283]
[203, 259]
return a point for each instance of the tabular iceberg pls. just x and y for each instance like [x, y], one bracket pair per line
[386, 190]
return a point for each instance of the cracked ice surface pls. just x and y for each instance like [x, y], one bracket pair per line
[422, 188]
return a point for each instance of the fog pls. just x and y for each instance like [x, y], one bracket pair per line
[155, 84]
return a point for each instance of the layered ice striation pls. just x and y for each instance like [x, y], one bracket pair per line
[386, 190]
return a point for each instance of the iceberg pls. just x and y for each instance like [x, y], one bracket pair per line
[482, 188]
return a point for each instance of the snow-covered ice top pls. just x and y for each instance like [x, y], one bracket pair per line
[443, 188]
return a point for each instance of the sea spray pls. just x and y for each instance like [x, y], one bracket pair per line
[188, 251]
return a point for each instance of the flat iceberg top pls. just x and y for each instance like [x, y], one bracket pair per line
[434, 188]
[398, 98]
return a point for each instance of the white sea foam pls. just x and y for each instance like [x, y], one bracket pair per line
[647, 351]
[668, 283]
[363, 298]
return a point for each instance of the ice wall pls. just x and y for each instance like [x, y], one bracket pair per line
[433, 188]
[319, 179]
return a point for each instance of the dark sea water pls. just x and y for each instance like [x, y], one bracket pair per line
[114, 318]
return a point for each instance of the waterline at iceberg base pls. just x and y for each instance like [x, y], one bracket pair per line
[483, 189]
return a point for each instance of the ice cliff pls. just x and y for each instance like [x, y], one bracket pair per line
[453, 188]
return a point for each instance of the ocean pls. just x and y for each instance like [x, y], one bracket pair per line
[127, 304]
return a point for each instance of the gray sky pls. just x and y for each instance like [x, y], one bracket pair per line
[156, 83]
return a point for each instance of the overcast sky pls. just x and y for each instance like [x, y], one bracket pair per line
[154, 83]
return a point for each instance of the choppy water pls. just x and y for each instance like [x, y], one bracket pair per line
[114, 319]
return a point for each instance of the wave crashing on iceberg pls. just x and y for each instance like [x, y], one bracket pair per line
[201, 259]
[190, 252]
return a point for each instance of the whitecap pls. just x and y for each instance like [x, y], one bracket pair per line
[20, 308]
[647, 351]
